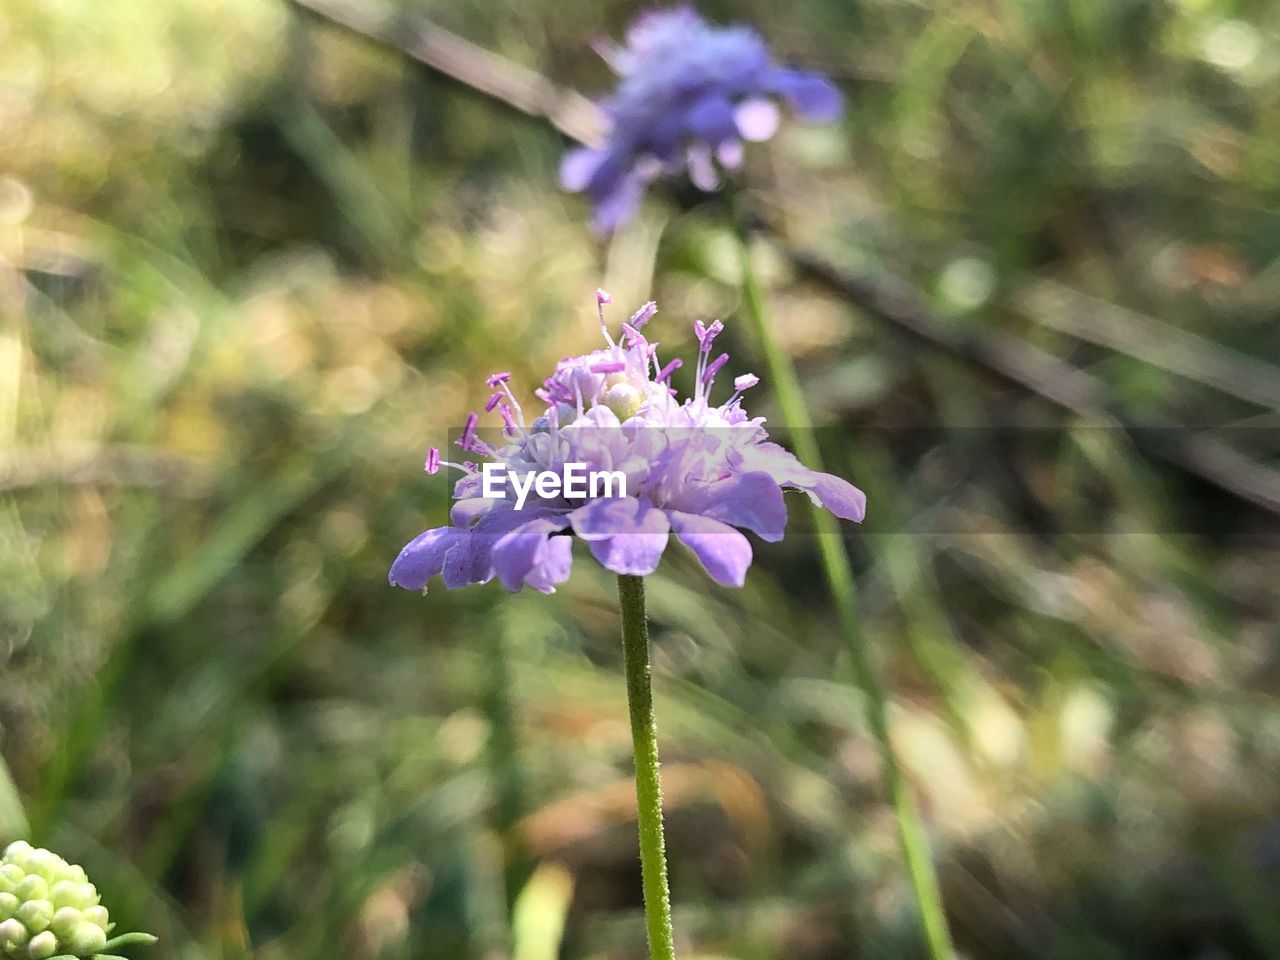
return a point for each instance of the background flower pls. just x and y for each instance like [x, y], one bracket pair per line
[690, 93]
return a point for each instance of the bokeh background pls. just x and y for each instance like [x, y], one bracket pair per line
[252, 265]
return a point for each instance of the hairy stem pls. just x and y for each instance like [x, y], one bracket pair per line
[839, 575]
[644, 740]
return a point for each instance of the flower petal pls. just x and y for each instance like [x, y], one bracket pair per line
[838, 495]
[723, 551]
[625, 534]
[835, 494]
[422, 558]
[711, 120]
[752, 501]
[470, 559]
[578, 167]
[552, 567]
[812, 96]
[617, 207]
[522, 555]
[756, 119]
[729, 154]
[467, 511]
[702, 172]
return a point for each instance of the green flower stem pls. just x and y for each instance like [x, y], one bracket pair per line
[839, 574]
[644, 741]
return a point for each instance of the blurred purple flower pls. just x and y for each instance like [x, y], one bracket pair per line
[693, 469]
[690, 94]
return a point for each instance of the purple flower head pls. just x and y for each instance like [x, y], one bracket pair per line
[702, 471]
[689, 94]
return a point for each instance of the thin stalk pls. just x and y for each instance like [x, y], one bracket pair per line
[839, 575]
[644, 741]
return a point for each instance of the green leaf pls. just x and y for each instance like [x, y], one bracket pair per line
[127, 938]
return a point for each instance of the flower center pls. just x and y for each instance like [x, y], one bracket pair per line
[623, 399]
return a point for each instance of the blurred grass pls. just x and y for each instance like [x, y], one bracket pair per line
[250, 267]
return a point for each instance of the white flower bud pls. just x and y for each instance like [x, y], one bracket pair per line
[13, 934]
[36, 915]
[42, 946]
[32, 887]
[98, 914]
[68, 893]
[19, 848]
[46, 864]
[10, 876]
[65, 920]
[8, 905]
[87, 939]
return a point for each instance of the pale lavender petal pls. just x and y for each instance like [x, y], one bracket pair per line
[756, 119]
[463, 513]
[516, 554]
[722, 550]
[730, 154]
[422, 558]
[662, 137]
[778, 462]
[626, 535]
[752, 501]
[578, 167]
[470, 559]
[711, 120]
[618, 207]
[464, 562]
[554, 562]
[812, 96]
[702, 172]
[469, 486]
[839, 496]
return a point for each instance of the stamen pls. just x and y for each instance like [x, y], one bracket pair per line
[434, 463]
[512, 429]
[633, 335]
[740, 383]
[468, 437]
[643, 315]
[515, 405]
[494, 400]
[608, 366]
[668, 370]
[601, 299]
[501, 377]
[714, 367]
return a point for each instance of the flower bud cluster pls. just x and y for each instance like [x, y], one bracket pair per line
[48, 907]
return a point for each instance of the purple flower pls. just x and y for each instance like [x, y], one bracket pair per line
[690, 94]
[687, 467]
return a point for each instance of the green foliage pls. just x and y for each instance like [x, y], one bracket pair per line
[252, 266]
